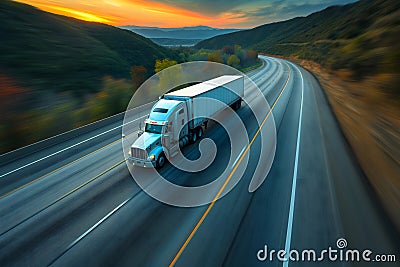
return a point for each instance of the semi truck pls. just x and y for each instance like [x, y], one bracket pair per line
[174, 120]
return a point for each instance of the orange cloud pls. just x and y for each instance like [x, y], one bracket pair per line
[75, 13]
[130, 12]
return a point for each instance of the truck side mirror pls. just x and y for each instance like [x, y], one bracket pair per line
[139, 133]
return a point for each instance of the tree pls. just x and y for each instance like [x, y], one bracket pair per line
[228, 50]
[168, 79]
[239, 52]
[252, 55]
[138, 75]
[233, 61]
[216, 57]
[163, 64]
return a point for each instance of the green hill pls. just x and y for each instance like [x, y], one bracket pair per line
[362, 37]
[58, 73]
[45, 51]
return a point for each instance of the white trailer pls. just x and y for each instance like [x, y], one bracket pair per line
[181, 110]
[228, 89]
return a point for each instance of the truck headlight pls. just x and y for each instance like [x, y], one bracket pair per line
[129, 152]
[152, 157]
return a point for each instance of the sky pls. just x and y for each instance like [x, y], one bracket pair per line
[180, 13]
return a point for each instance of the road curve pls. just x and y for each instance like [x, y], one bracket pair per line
[78, 205]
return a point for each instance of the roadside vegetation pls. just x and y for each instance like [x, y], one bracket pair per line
[232, 55]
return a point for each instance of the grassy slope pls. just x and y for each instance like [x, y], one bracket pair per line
[372, 129]
[51, 52]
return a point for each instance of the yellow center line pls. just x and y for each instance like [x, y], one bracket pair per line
[211, 205]
[56, 170]
[87, 182]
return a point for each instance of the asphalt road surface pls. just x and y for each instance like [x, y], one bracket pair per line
[75, 203]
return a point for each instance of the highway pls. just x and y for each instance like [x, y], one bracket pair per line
[74, 203]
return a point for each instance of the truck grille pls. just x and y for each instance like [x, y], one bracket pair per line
[138, 153]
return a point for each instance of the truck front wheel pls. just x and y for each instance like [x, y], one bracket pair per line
[160, 161]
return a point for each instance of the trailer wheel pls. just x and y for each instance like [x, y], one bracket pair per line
[199, 132]
[193, 137]
[160, 161]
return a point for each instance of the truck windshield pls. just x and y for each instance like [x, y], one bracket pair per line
[151, 128]
[160, 110]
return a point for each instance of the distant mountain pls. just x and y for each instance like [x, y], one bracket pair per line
[50, 52]
[362, 36]
[195, 28]
[170, 42]
[175, 34]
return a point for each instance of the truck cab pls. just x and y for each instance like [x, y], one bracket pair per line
[164, 118]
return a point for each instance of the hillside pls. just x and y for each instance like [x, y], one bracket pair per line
[171, 42]
[361, 36]
[59, 73]
[198, 32]
[45, 51]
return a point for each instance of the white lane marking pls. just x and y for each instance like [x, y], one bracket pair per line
[240, 154]
[90, 230]
[97, 224]
[296, 164]
[64, 149]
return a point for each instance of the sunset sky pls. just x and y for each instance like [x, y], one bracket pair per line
[179, 13]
